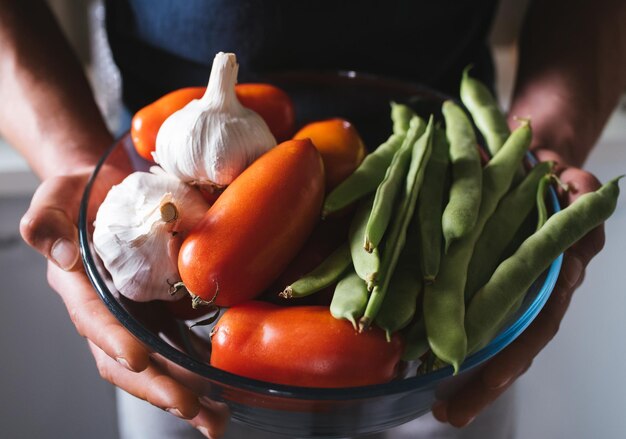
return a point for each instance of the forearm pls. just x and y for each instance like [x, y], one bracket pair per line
[572, 71]
[47, 110]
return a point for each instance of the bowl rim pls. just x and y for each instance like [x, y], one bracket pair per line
[224, 378]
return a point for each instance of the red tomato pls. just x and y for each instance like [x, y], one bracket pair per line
[301, 346]
[339, 143]
[256, 226]
[147, 121]
[270, 102]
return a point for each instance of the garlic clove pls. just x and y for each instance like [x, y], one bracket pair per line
[211, 140]
[139, 229]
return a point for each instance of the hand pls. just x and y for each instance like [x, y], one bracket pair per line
[501, 371]
[49, 226]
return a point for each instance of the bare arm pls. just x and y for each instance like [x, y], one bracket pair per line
[47, 110]
[572, 71]
[48, 113]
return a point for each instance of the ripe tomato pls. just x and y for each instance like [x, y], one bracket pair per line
[270, 102]
[339, 143]
[301, 346]
[256, 226]
[147, 121]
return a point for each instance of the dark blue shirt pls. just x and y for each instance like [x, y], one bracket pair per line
[161, 45]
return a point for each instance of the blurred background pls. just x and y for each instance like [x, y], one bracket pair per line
[50, 385]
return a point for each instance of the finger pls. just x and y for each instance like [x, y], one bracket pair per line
[212, 420]
[507, 365]
[473, 399]
[49, 223]
[579, 183]
[94, 321]
[151, 385]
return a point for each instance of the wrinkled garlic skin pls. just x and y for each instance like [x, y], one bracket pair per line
[139, 229]
[212, 140]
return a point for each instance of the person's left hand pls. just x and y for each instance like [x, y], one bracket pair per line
[500, 372]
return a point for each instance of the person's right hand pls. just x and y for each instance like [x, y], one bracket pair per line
[49, 226]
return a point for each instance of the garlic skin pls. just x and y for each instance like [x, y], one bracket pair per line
[139, 229]
[212, 140]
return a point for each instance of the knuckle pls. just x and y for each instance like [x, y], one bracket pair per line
[75, 317]
[104, 371]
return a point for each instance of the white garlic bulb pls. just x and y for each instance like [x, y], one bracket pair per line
[212, 140]
[139, 228]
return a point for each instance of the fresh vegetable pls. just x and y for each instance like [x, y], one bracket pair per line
[372, 170]
[444, 300]
[420, 153]
[256, 227]
[210, 141]
[138, 231]
[147, 121]
[513, 277]
[301, 346]
[324, 275]
[272, 104]
[366, 264]
[269, 101]
[501, 228]
[405, 287]
[340, 145]
[430, 206]
[327, 236]
[350, 298]
[483, 107]
[401, 118]
[388, 190]
[459, 215]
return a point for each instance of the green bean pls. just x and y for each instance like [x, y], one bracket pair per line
[397, 235]
[430, 206]
[502, 227]
[401, 116]
[398, 308]
[366, 264]
[513, 277]
[459, 216]
[389, 189]
[416, 343]
[365, 179]
[485, 111]
[322, 276]
[350, 298]
[444, 301]
[542, 209]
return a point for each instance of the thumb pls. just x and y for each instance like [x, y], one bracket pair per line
[49, 224]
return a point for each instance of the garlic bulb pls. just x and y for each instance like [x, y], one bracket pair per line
[212, 140]
[139, 228]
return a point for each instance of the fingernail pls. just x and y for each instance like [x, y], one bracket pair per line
[124, 363]
[440, 411]
[175, 412]
[499, 383]
[204, 431]
[467, 422]
[64, 253]
[572, 270]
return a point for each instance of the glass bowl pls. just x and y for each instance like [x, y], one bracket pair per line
[289, 410]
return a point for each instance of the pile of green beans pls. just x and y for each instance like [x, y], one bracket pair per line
[441, 248]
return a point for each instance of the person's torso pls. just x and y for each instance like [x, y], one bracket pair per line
[161, 45]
